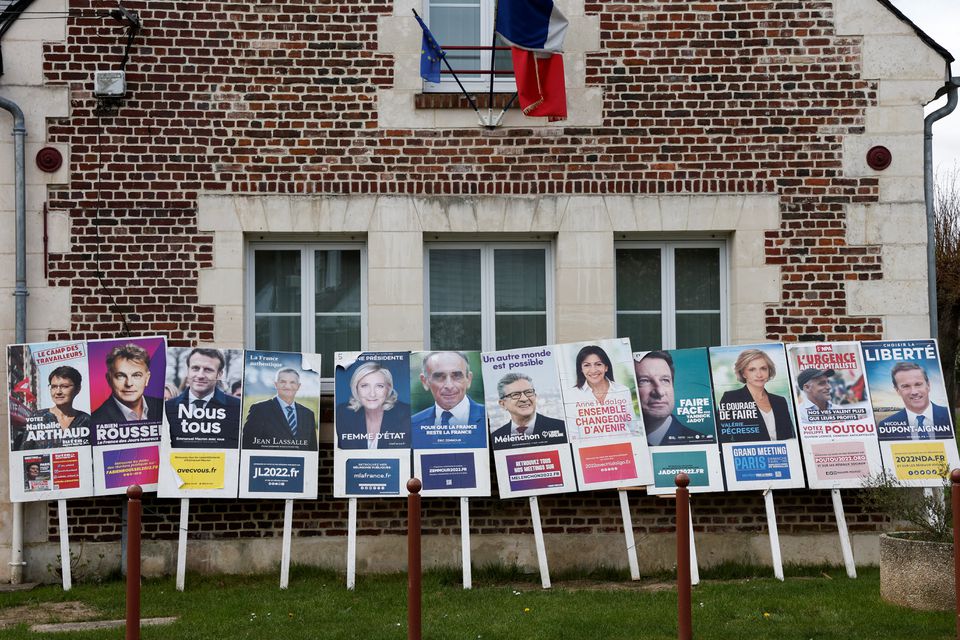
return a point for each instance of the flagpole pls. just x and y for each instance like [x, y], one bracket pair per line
[504, 110]
[469, 97]
[493, 58]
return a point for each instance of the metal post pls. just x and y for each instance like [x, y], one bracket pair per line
[413, 559]
[684, 625]
[955, 504]
[134, 494]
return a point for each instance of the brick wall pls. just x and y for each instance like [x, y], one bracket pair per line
[281, 97]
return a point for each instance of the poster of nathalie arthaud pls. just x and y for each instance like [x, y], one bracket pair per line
[526, 420]
[755, 423]
[200, 448]
[837, 429]
[603, 414]
[677, 407]
[49, 421]
[280, 409]
[914, 422]
[448, 425]
[126, 395]
[371, 452]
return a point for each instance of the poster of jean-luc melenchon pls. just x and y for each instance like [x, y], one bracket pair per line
[49, 421]
[200, 448]
[677, 406]
[527, 425]
[603, 414]
[280, 409]
[914, 421]
[371, 456]
[837, 430]
[126, 394]
[755, 422]
[449, 423]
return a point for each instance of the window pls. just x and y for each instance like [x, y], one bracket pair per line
[672, 295]
[467, 23]
[308, 298]
[488, 296]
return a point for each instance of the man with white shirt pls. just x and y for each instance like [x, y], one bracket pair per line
[128, 373]
[655, 376]
[815, 384]
[203, 416]
[281, 422]
[920, 419]
[526, 427]
[447, 376]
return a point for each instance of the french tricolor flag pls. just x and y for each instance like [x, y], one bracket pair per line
[535, 30]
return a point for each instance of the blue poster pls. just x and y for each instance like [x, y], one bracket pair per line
[667, 464]
[373, 476]
[761, 462]
[276, 474]
[448, 471]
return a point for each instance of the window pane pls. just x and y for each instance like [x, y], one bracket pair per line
[521, 331]
[335, 333]
[638, 280]
[697, 278]
[459, 332]
[454, 280]
[276, 281]
[337, 282]
[460, 26]
[644, 330]
[698, 330]
[503, 60]
[520, 281]
[277, 333]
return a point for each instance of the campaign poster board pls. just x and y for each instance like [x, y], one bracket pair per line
[905, 381]
[602, 412]
[126, 393]
[371, 455]
[838, 435]
[280, 409]
[448, 425]
[200, 446]
[528, 432]
[676, 403]
[49, 421]
[759, 447]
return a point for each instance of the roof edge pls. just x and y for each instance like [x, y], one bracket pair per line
[933, 44]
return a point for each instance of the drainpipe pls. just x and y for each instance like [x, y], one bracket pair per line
[950, 88]
[20, 294]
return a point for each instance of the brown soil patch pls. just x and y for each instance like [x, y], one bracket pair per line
[47, 612]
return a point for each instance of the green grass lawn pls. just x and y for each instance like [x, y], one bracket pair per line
[504, 604]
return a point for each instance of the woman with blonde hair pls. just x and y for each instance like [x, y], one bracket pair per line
[373, 417]
[768, 414]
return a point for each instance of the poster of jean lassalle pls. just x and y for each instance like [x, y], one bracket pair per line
[677, 407]
[448, 425]
[526, 418]
[603, 416]
[371, 454]
[49, 421]
[837, 429]
[200, 448]
[126, 395]
[280, 409]
[756, 427]
[914, 421]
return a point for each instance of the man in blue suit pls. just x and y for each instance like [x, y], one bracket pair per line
[920, 419]
[203, 416]
[447, 376]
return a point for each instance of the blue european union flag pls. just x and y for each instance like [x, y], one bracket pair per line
[430, 54]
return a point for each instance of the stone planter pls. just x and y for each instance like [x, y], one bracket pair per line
[916, 573]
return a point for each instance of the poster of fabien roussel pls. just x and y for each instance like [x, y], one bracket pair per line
[448, 425]
[677, 410]
[755, 422]
[49, 421]
[280, 411]
[914, 424]
[602, 411]
[372, 440]
[126, 394]
[200, 449]
[525, 412]
[834, 416]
